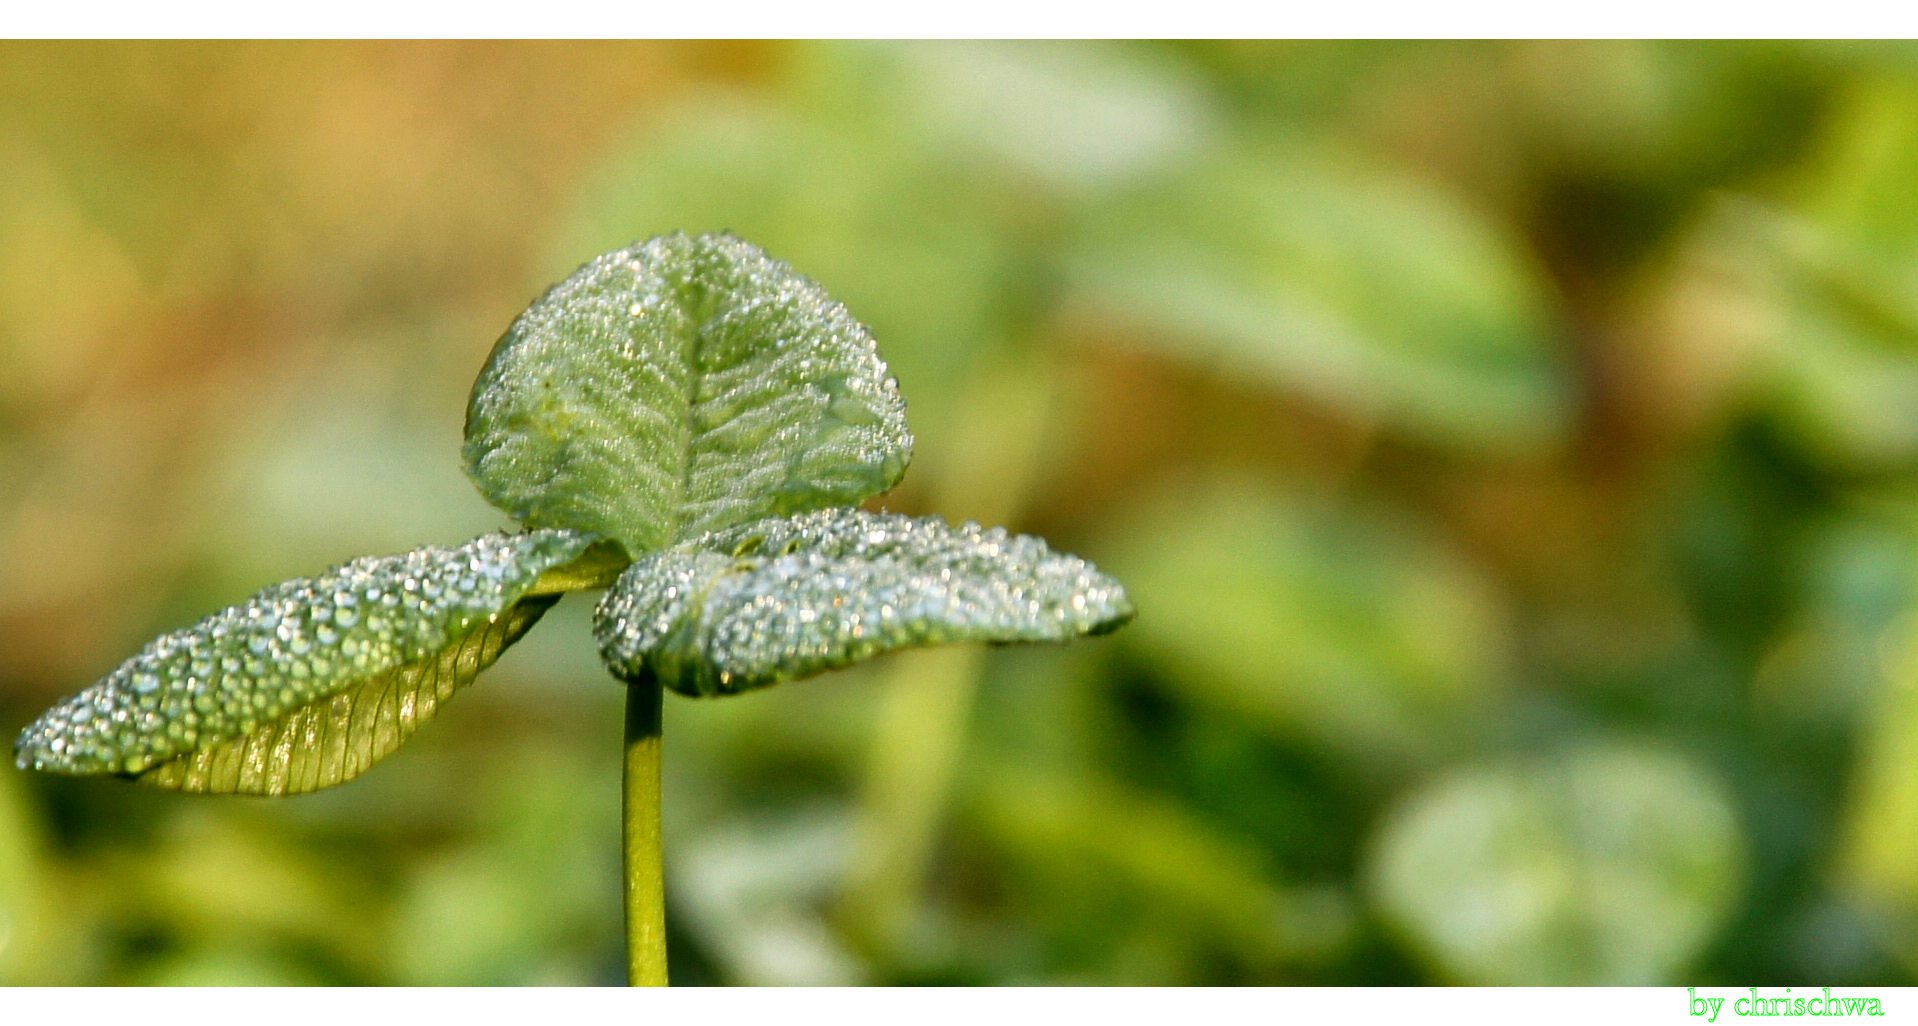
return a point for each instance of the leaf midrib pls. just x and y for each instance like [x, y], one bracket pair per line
[697, 301]
[700, 299]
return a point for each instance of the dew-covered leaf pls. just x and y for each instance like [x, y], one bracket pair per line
[785, 598]
[310, 681]
[681, 386]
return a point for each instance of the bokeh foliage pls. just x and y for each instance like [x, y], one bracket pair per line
[1512, 450]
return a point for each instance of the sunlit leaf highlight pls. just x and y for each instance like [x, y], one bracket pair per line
[310, 681]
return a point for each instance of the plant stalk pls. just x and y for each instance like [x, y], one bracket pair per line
[645, 864]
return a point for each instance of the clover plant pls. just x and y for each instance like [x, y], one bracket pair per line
[686, 423]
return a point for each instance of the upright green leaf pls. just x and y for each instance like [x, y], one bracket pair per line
[311, 681]
[681, 386]
[788, 598]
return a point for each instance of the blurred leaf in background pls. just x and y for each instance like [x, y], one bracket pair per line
[1609, 865]
[1511, 448]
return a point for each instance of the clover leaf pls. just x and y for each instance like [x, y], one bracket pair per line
[681, 386]
[791, 597]
[686, 420]
[311, 681]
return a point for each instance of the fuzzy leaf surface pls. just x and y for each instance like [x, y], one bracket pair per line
[786, 598]
[681, 386]
[310, 681]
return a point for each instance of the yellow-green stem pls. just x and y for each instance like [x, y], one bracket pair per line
[645, 866]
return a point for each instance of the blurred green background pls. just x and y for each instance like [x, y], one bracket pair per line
[1512, 450]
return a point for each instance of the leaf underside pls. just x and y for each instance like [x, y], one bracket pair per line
[681, 386]
[312, 680]
[786, 598]
[334, 740]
